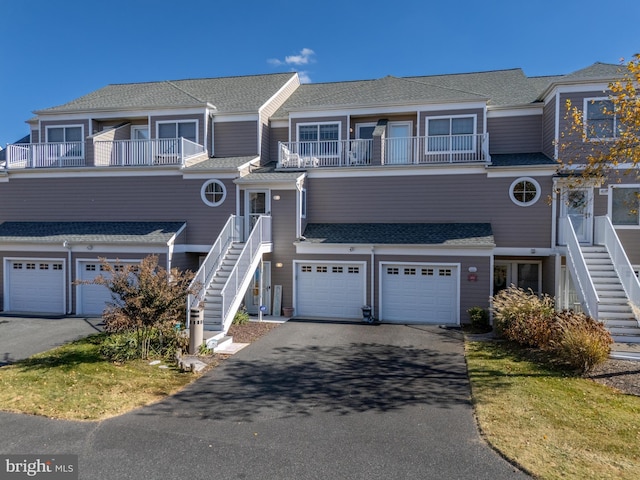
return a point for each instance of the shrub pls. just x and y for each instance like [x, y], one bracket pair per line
[479, 319]
[579, 341]
[125, 345]
[241, 317]
[523, 317]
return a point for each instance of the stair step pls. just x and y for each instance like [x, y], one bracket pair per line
[626, 338]
[626, 323]
[608, 307]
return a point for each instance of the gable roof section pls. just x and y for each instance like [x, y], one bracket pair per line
[151, 233]
[443, 234]
[227, 94]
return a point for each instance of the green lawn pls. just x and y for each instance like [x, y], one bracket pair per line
[552, 424]
[75, 382]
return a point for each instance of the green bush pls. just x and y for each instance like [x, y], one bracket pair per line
[479, 319]
[523, 317]
[126, 345]
[241, 317]
[579, 341]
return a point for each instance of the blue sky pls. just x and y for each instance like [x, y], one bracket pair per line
[52, 51]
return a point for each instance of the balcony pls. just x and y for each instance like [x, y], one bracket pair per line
[98, 153]
[429, 150]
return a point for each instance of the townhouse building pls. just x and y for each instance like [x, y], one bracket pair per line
[419, 197]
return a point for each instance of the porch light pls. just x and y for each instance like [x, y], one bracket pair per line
[278, 265]
[276, 197]
[473, 269]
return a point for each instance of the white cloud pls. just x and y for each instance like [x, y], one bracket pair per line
[304, 77]
[305, 57]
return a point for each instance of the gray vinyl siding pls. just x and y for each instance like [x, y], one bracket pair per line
[450, 113]
[522, 134]
[235, 139]
[549, 128]
[35, 136]
[276, 135]
[283, 231]
[121, 199]
[630, 239]
[433, 199]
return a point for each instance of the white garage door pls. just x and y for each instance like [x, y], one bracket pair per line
[420, 294]
[92, 299]
[331, 290]
[36, 286]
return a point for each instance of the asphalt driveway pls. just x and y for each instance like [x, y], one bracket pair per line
[308, 401]
[21, 337]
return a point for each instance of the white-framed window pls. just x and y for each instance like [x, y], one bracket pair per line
[303, 203]
[213, 193]
[524, 191]
[451, 134]
[319, 139]
[178, 128]
[624, 205]
[71, 136]
[600, 122]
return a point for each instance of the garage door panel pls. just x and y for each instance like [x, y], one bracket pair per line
[329, 290]
[93, 299]
[419, 293]
[36, 286]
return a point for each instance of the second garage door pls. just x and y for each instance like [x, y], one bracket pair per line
[418, 293]
[92, 299]
[331, 290]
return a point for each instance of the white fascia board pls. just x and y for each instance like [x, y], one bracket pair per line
[294, 79]
[291, 185]
[228, 118]
[523, 111]
[526, 171]
[279, 123]
[523, 252]
[81, 247]
[115, 113]
[220, 175]
[365, 249]
[381, 110]
[581, 88]
[95, 172]
[396, 171]
[172, 240]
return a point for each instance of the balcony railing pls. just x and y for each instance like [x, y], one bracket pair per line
[119, 153]
[161, 151]
[391, 151]
[45, 155]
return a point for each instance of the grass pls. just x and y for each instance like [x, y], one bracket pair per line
[74, 382]
[550, 423]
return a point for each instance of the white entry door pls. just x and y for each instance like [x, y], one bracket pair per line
[398, 149]
[257, 202]
[419, 293]
[577, 206]
[260, 283]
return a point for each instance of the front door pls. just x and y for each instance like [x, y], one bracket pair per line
[577, 206]
[399, 142]
[256, 204]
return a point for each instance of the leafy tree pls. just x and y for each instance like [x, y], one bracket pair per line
[146, 300]
[595, 157]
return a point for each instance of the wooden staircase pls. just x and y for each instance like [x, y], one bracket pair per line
[613, 308]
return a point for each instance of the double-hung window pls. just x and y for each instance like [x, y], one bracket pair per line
[600, 121]
[319, 140]
[624, 206]
[451, 134]
[70, 138]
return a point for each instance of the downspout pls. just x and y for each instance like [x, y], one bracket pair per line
[372, 275]
[66, 245]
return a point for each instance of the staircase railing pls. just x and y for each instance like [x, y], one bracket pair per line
[259, 242]
[231, 232]
[606, 235]
[579, 271]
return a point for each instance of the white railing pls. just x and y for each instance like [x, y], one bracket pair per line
[231, 232]
[606, 235]
[45, 155]
[578, 268]
[246, 264]
[327, 153]
[437, 149]
[159, 151]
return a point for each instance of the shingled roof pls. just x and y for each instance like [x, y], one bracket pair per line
[89, 232]
[227, 94]
[443, 234]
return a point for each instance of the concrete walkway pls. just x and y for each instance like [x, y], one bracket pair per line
[311, 400]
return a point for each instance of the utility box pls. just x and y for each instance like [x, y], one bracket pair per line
[196, 330]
